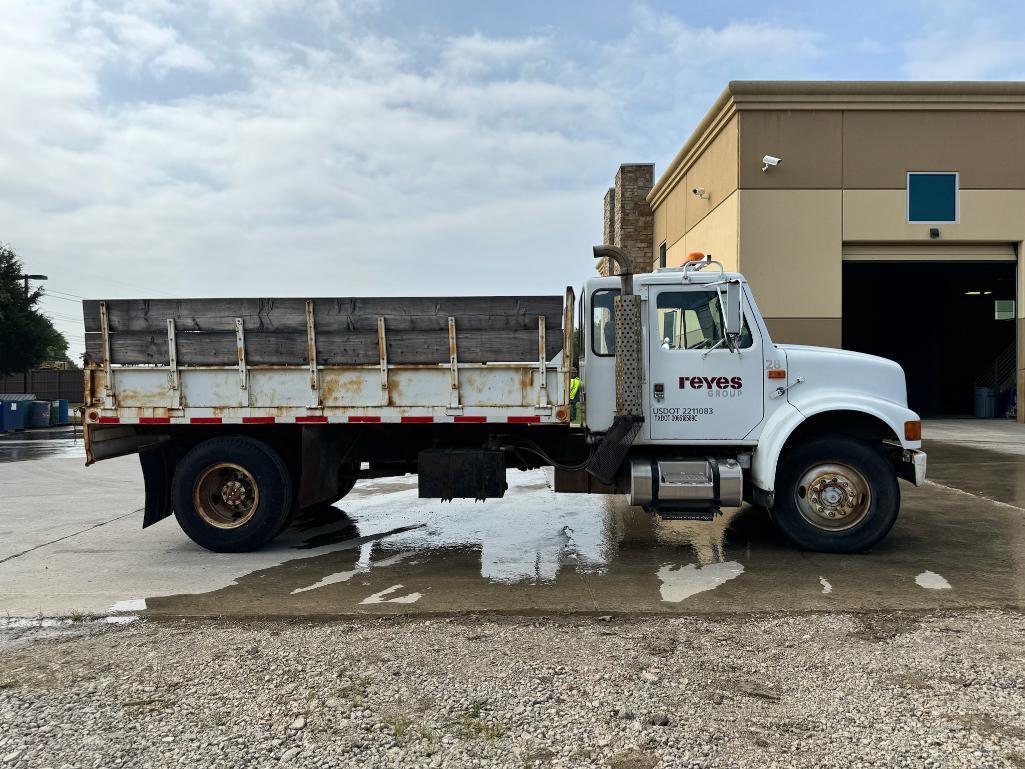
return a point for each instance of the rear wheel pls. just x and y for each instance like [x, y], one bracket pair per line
[836, 494]
[232, 494]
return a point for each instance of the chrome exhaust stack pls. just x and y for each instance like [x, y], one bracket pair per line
[629, 358]
[607, 461]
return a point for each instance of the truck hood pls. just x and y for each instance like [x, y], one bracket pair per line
[826, 368]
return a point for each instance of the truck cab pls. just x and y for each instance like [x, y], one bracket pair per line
[730, 416]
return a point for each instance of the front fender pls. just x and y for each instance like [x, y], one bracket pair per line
[782, 424]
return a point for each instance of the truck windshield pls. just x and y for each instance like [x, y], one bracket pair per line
[603, 322]
[692, 320]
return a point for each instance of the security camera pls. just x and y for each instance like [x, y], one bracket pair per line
[770, 161]
[700, 193]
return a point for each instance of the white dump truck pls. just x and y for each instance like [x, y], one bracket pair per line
[244, 411]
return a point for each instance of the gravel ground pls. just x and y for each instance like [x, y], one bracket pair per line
[881, 690]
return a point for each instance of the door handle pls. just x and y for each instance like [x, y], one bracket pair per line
[780, 391]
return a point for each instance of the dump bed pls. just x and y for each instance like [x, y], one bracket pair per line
[365, 359]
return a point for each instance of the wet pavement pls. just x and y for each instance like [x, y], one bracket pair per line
[70, 542]
[64, 441]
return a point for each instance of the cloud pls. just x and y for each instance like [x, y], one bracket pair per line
[477, 55]
[255, 156]
[252, 12]
[974, 50]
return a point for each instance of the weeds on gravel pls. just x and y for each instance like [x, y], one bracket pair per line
[355, 691]
[399, 722]
[473, 726]
[908, 681]
[430, 736]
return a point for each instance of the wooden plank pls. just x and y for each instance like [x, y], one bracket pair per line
[209, 348]
[472, 313]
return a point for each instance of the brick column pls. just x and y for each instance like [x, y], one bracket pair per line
[634, 226]
[628, 221]
[606, 266]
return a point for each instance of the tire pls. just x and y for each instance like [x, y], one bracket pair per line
[232, 494]
[836, 494]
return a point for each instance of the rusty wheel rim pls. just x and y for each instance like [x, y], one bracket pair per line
[226, 495]
[833, 496]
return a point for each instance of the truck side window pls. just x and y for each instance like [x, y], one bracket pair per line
[603, 322]
[692, 320]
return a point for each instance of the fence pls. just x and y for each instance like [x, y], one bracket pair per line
[47, 384]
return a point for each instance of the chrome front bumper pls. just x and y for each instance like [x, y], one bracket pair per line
[910, 464]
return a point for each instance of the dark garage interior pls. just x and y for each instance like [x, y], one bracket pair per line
[946, 323]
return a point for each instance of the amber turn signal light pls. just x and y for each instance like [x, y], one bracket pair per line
[777, 373]
[913, 431]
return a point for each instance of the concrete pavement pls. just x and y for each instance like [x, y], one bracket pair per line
[71, 541]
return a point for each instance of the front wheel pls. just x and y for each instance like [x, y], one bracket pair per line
[836, 494]
[232, 494]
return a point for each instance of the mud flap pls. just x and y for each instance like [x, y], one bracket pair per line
[461, 474]
[157, 471]
[613, 449]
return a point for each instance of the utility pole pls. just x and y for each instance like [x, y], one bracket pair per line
[27, 278]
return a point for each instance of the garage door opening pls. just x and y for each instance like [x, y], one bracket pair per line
[947, 323]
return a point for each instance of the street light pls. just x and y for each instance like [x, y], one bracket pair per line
[27, 278]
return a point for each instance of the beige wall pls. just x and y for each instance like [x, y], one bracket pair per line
[791, 251]
[985, 215]
[808, 141]
[874, 149]
[716, 234]
[818, 332]
[987, 148]
[715, 170]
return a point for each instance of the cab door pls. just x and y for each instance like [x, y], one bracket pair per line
[698, 389]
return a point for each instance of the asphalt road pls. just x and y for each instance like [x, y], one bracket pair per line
[71, 542]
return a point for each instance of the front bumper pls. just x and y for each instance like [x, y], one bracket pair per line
[910, 464]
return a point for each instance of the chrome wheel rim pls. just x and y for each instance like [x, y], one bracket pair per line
[226, 495]
[833, 496]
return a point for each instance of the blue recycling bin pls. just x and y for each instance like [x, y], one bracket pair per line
[23, 414]
[62, 412]
[38, 414]
[14, 415]
[8, 412]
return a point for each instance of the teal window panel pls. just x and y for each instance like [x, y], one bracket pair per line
[932, 197]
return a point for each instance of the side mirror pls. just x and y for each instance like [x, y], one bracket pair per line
[734, 309]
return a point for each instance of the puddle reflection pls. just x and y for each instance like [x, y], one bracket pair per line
[41, 444]
[528, 536]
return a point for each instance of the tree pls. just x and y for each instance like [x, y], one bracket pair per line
[27, 337]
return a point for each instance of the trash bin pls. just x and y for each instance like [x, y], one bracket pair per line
[14, 414]
[985, 402]
[62, 412]
[8, 413]
[55, 413]
[39, 414]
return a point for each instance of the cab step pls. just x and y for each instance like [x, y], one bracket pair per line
[683, 515]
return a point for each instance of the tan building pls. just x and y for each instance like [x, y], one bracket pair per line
[891, 223]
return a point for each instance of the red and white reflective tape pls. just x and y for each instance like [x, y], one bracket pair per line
[101, 419]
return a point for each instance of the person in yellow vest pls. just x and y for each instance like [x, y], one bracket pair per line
[574, 394]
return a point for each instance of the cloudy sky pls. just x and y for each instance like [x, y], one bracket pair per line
[338, 147]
